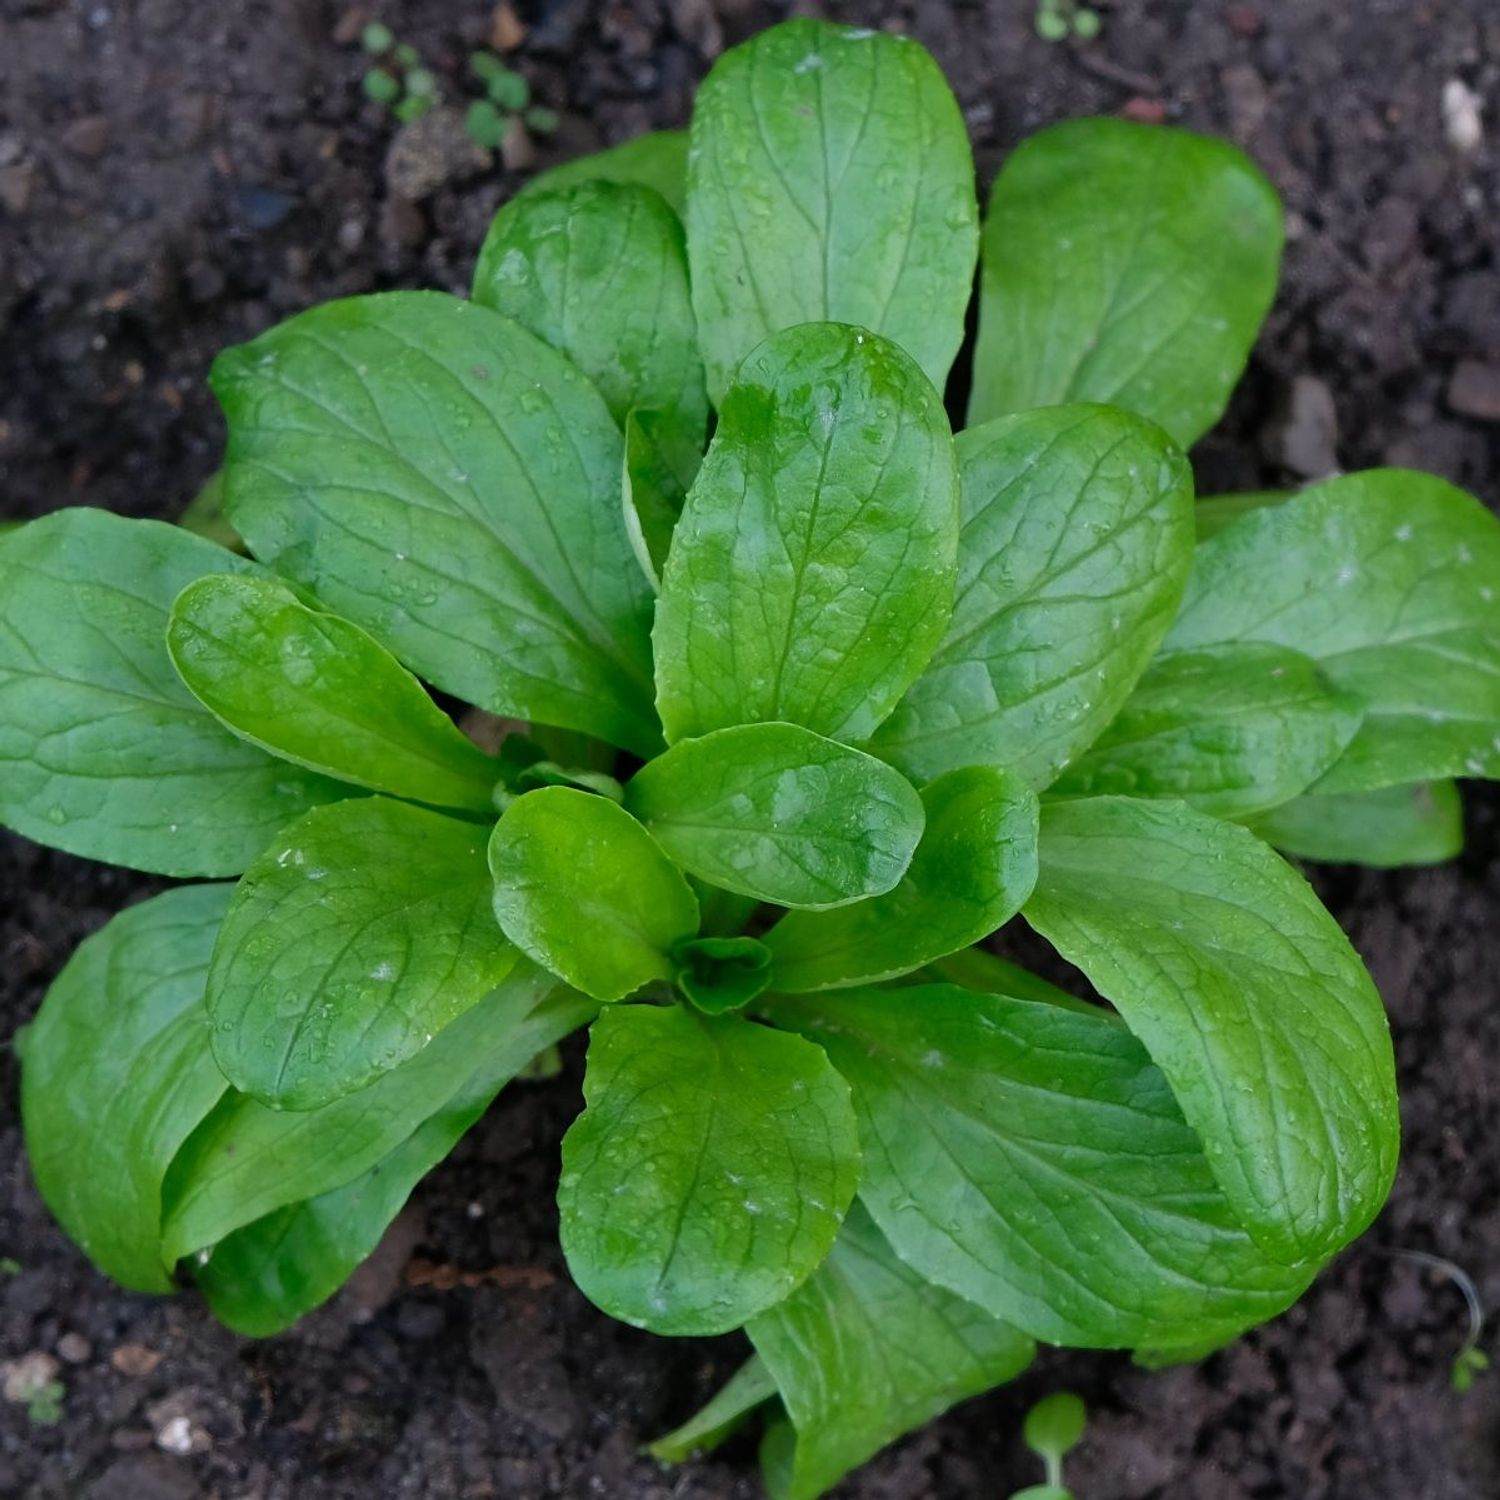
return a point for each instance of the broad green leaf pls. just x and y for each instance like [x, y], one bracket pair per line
[1422, 824]
[661, 462]
[1248, 998]
[720, 974]
[599, 271]
[584, 890]
[1390, 581]
[830, 179]
[359, 935]
[989, 974]
[1033, 1160]
[441, 477]
[777, 812]
[261, 1278]
[657, 160]
[103, 751]
[809, 577]
[246, 1161]
[975, 865]
[316, 690]
[866, 1350]
[117, 1073]
[1215, 513]
[1077, 538]
[1123, 263]
[749, 1387]
[709, 1172]
[1231, 730]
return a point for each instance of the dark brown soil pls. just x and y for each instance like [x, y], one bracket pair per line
[174, 176]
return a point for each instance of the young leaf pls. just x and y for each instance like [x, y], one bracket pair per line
[1390, 580]
[988, 974]
[1077, 538]
[360, 934]
[709, 1172]
[656, 160]
[246, 1161]
[1422, 824]
[1249, 999]
[1216, 513]
[1033, 1160]
[1230, 730]
[600, 272]
[316, 690]
[103, 751]
[830, 178]
[204, 515]
[117, 1073]
[584, 890]
[720, 974]
[661, 462]
[777, 812]
[809, 576]
[1054, 1427]
[261, 1278]
[975, 865]
[866, 1351]
[1127, 264]
[749, 1387]
[444, 479]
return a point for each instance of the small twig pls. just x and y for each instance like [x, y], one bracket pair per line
[1113, 72]
[1469, 1358]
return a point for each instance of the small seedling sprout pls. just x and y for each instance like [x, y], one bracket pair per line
[376, 39]
[1471, 1360]
[1053, 1429]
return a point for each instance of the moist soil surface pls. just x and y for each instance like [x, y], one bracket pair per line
[175, 176]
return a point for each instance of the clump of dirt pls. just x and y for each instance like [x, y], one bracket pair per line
[175, 177]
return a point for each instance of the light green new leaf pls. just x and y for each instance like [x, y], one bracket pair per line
[809, 577]
[661, 462]
[204, 515]
[866, 1350]
[720, 974]
[1421, 824]
[1390, 580]
[749, 1387]
[1077, 538]
[584, 890]
[1123, 263]
[1033, 1160]
[246, 1161]
[263, 1277]
[1248, 998]
[777, 812]
[830, 178]
[443, 478]
[656, 160]
[117, 1073]
[1231, 730]
[599, 271]
[103, 751]
[361, 933]
[709, 1172]
[975, 865]
[316, 690]
[1215, 513]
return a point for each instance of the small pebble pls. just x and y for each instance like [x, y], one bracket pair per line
[1461, 116]
[74, 1348]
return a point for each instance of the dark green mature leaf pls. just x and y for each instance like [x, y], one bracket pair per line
[246, 1161]
[103, 751]
[317, 690]
[709, 1173]
[866, 1350]
[1077, 537]
[750, 1386]
[364, 931]
[777, 812]
[656, 160]
[117, 1073]
[1231, 730]
[975, 865]
[1390, 580]
[1033, 1160]
[599, 271]
[263, 1277]
[1248, 998]
[1128, 264]
[809, 576]
[584, 890]
[830, 178]
[1398, 825]
[444, 479]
